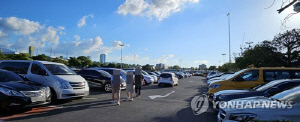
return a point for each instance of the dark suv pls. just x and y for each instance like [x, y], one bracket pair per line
[98, 78]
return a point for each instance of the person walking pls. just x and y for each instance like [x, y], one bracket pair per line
[116, 83]
[129, 85]
[138, 81]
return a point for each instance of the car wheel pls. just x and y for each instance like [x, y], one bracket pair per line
[53, 98]
[159, 85]
[107, 87]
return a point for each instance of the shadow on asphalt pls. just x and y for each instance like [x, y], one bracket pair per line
[187, 115]
[68, 108]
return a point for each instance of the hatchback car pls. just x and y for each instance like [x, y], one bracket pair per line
[168, 78]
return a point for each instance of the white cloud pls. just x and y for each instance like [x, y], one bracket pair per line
[134, 7]
[19, 25]
[28, 33]
[135, 59]
[82, 21]
[77, 38]
[201, 62]
[160, 9]
[164, 59]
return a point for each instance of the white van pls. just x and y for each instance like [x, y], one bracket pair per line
[63, 82]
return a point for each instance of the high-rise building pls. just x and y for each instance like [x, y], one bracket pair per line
[31, 49]
[102, 58]
[161, 66]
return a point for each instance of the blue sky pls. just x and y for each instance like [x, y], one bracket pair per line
[153, 31]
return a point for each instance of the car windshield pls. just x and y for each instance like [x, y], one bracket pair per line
[235, 74]
[58, 69]
[105, 74]
[9, 76]
[288, 95]
[145, 73]
[268, 85]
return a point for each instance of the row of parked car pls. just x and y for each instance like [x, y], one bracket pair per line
[26, 83]
[262, 85]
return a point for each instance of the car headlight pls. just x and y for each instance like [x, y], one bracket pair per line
[242, 117]
[63, 84]
[9, 92]
[214, 86]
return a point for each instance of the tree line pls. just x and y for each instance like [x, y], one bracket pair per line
[282, 51]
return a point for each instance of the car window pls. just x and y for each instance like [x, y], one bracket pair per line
[270, 75]
[165, 75]
[57, 69]
[252, 75]
[16, 67]
[36, 69]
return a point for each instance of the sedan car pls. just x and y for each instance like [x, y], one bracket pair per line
[99, 78]
[266, 90]
[16, 93]
[282, 106]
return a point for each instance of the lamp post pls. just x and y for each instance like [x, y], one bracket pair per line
[229, 36]
[121, 55]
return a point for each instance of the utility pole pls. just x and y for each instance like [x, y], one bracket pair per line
[229, 37]
[121, 55]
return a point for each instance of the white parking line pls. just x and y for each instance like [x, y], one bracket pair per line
[160, 96]
[89, 98]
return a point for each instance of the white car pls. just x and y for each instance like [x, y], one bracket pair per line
[63, 82]
[168, 78]
[148, 79]
[258, 112]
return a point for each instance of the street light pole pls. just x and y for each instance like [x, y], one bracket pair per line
[229, 37]
[121, 55]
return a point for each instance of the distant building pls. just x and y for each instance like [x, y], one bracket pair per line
[89, 57]
[102, 58]
[7, 51]
[161, 66]
[31, 49]
[202, 67]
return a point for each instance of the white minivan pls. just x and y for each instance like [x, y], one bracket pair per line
[63, 82]
[168, 78]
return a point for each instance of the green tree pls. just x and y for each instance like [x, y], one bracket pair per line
[41, 57]
[288, 43]
[58, 60]
[176, 67]
[212, 68]
[112, 65]
[2, 56]
[147, 67]
[74, 62]
[85, 62]
[21, 56]
[261, 55]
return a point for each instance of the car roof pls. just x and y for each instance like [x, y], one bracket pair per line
[34, 61]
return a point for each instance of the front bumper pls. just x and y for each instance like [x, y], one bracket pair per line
[73, 93]
[14, 102]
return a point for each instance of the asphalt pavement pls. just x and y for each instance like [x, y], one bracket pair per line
[159, 104]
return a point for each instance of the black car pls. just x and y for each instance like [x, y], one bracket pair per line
[266, 90]
[98, 78]
[15, 93]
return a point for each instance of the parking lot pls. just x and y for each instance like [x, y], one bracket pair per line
[155, 104]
